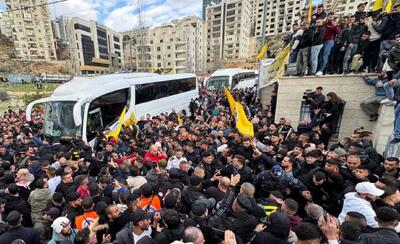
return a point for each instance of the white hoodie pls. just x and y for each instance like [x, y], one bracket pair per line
[353, 203]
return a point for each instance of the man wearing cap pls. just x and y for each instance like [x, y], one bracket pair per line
[17, 231]
[141, 228]
[360, 202]
[73, 208]
[320, 14]
[234, 212]
[43, 227]
[360, 11]
[387, 219]
[278, 230]
[62, 231]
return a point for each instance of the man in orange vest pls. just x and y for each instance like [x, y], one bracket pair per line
[89, 215]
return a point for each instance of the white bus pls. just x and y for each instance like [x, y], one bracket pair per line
[86, 106]
[231, 78]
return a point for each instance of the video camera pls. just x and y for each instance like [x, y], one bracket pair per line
[308, 95]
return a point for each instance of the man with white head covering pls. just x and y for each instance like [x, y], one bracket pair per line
[360, 202]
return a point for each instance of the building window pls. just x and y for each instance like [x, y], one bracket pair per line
[81, 27]
[229, 6]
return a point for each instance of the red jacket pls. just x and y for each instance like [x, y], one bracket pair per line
[331, 31]
[148, 157]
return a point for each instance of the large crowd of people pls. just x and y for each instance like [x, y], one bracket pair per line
[361, 42]
[198, 180]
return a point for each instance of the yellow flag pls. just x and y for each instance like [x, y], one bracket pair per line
[243, 125]
[310, 11]
[231, 100]
[388, 7]
[179, 120]
[131, 121]
[115, 133]
[262, 52]
[378, 5]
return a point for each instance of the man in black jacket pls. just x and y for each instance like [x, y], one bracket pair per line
[140, 228]
[317, 44]
[14, 202]
[233, 214]
[388, 219]
[17, 231]
[305, 42]
[352, 40]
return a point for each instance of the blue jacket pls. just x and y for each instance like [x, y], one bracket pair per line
[288, 180]
[379, 91]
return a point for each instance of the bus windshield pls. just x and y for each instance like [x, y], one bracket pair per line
[59, 120]
[218, 82]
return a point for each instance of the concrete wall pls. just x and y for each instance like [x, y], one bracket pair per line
[383, 128]
[350, 88]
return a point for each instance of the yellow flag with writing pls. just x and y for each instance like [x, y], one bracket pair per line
[243, 125]
[115, 133]
[231, 100]
[309, 11]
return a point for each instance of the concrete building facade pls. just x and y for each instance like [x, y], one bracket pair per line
[5, 24]
[176, 47]
[95, 49]
[228, 32]
[279, 17]
[31, 30]
[345, 7]
[205, 4]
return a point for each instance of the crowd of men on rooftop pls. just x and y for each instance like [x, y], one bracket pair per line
[364, 42]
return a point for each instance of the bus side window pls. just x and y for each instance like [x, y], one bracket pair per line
[235, 80]
[110, 106]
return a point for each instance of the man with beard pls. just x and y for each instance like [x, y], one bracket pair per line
[62, 230]
[360, 202]
[389, 168]
[141, 228]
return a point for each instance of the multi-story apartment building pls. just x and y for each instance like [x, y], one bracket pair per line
[95, 49]
[228, 32]
[280, 16]
[5, 24]
[345, 7]
[175, 47]
[31, 29]
[205, 4]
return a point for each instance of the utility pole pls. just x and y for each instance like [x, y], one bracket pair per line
[264, 23]
[262, 44]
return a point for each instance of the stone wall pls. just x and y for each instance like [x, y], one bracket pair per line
[350, 88]
[383, 127]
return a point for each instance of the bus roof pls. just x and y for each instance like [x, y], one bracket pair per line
[87, 87]
[230, 72]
